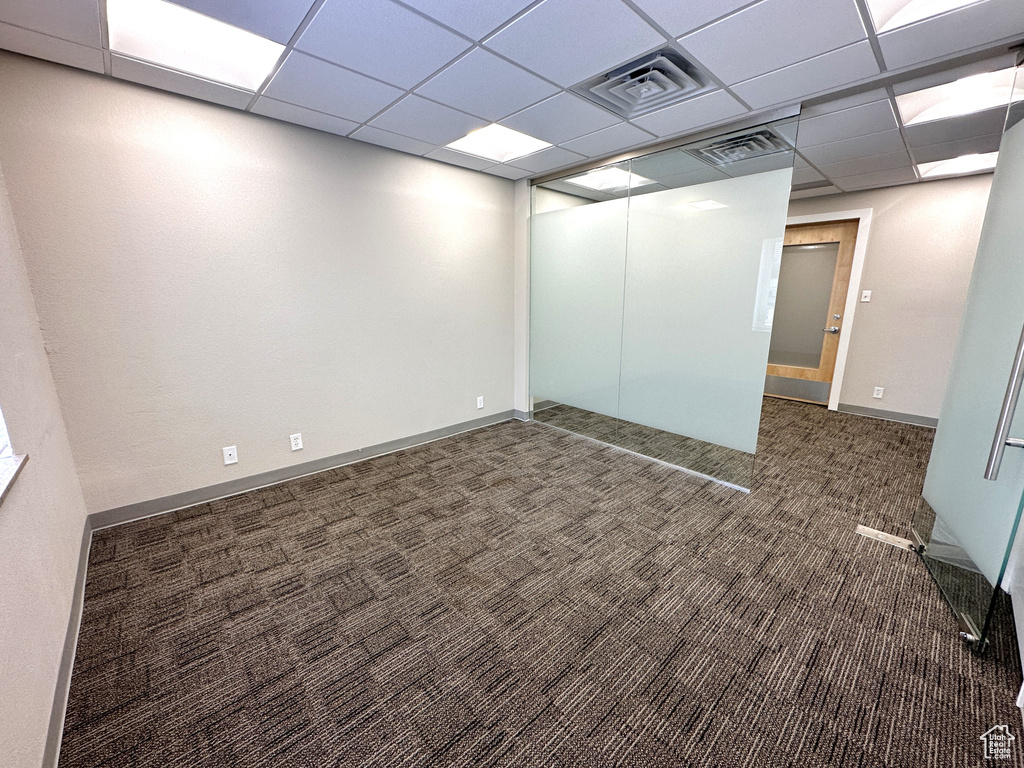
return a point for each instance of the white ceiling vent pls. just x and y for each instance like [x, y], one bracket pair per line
[653, 82]
[739, 146]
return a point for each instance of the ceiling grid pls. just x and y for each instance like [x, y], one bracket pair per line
[415, 75]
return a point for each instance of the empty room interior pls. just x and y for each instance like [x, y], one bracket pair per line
[511, 383]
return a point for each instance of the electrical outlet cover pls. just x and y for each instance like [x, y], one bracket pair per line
[296, 441]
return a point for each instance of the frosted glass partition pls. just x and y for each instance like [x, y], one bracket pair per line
[576, 307]
[649, 282]
[968, 520]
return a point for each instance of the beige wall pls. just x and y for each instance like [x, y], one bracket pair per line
[918, 265]
[41, 520]
[209, 278]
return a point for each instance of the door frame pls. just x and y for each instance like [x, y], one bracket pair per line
[863, 217]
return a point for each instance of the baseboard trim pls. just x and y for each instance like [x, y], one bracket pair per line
[878, 413]
[143, 509]
[521, 415]
[55, 732]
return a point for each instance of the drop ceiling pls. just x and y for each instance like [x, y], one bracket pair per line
[419, 74]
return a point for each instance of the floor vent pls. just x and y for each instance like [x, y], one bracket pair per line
[653, 82]
[740, 146]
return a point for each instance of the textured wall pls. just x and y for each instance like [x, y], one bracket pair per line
[41, 520]
[208, 278]
[920, 254]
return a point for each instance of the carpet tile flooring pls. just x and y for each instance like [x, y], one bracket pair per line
[520, 596]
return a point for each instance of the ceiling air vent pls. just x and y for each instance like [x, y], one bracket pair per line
[653, 82]
[739, 146]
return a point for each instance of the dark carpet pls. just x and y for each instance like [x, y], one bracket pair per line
[520, 596]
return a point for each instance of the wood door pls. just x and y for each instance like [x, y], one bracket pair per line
[844, 233]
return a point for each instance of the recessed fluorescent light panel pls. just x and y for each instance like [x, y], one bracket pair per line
[498, 143]
[610, 180]
[171, 36]
[707, 205]
[891, 14]
[989, 90]
[958, 166]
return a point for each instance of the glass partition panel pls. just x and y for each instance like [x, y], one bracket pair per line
[652, 283]
[577, 267]
[971, 503]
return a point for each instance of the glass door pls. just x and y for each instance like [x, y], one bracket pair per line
[975, 483]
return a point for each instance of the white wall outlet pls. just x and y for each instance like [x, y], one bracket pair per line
[480, 402]
[865, 296]
[879, 391]
[231, 454]
[296, 441]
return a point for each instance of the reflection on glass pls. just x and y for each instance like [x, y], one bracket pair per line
[801, 304]
[644, 278]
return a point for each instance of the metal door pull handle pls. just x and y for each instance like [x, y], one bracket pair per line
[832, 329]
[1015, 442]
[1002, 437]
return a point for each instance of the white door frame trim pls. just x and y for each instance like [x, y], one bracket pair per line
[863, 217]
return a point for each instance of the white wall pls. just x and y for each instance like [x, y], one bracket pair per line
[208, 278]
[41, 520]
[918, 265]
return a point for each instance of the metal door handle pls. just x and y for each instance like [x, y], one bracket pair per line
[1002, 437]
[832, 329]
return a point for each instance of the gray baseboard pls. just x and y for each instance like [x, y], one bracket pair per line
[878, 413]
[55, 732]
[143, 509]
[521, 415]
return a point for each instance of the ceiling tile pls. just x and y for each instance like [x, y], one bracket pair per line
[176, 82]
[877, 179]
[830, 70]
[77, 21]
[508, 88]
[50, 48]
[805, 175]
[695, 113]
[302, 116]
[960, 30]
[678, 18]
[797, 194]
[609, 140]
[273, 19]
[774, 34]
[459, 158]
[847, 124]
[870, 164]
[977, 145]
[834, 105]
[324, 87]
[380, 39]
[561, 118]
[471, 17]
[564, 43]
[507, 172]
[547, 159]
[372, 135]
[862, 146]
[424, 120]
[941, 131]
